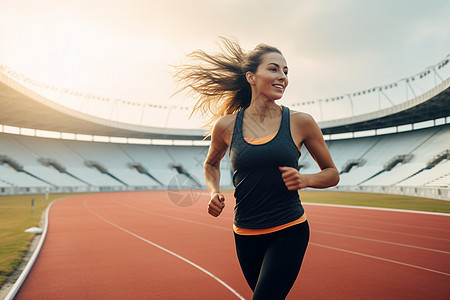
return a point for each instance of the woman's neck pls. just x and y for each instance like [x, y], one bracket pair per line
[261, 111]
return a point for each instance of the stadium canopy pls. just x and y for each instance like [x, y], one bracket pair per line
[432, 105]
[22, 107]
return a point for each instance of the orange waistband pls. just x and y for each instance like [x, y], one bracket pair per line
[246, 231]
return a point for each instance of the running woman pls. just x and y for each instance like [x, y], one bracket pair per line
[270, 228]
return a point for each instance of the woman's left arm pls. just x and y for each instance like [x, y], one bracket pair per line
[312, 138]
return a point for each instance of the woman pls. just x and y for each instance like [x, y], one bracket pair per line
[270, 227]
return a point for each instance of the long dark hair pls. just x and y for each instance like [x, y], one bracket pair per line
[220, 80]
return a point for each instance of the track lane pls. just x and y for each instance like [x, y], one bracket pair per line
[167, 251]
[98, 261]
[340, 261]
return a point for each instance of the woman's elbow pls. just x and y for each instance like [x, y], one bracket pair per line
[208, 167]
[335, 178]
[332, 177]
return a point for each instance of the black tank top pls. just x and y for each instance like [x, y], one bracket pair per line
[262, 199]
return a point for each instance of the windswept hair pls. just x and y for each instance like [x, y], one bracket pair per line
[220, 80]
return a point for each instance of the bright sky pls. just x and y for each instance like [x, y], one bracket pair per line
[124, 49]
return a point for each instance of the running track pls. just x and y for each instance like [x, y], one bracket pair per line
[139, 245]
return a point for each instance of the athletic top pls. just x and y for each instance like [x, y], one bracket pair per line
[262, 199]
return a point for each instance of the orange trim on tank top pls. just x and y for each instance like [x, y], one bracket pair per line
[246, 231]
[262, 140]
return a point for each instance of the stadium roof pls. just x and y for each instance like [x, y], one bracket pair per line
[22, 107]
[432, 105]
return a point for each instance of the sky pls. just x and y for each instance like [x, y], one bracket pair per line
[125, 49]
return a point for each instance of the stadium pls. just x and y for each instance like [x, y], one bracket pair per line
[84, 146]
[390, 139]
[102, 186]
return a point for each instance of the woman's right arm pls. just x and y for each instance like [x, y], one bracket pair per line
[220, 141]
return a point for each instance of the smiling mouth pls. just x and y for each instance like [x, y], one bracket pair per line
[278, 86]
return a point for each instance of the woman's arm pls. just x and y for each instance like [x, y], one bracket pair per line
[311, 137]
[220, 140]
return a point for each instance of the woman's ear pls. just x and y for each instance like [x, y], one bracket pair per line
[250, 77]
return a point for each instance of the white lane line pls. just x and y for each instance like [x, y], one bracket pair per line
[379, 208]
[341, 216]
[26, 271]
[334, 248]
[380, 241]
[385, 231]
[380, 258]
[312, 230]
[167, 251]
[359, 219]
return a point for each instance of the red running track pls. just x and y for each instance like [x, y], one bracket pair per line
[139, 245]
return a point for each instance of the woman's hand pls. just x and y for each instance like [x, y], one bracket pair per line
[216, 204]
[293, 179]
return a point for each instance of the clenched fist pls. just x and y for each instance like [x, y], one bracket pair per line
[292, 178]
[216, 204]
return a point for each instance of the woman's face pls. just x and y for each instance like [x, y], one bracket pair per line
[270, 79]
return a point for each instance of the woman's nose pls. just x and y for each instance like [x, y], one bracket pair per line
[282, 76]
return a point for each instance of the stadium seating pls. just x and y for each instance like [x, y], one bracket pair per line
[376, 152]
[402, 159]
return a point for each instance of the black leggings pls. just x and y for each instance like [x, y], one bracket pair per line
[271, 262]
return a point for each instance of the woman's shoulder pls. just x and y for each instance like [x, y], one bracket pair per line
[304, 124]
[223, 128]
[301, 118]
[226, 122]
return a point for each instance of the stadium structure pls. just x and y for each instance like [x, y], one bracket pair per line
[393, 138]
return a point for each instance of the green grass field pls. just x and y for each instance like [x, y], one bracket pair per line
[15, 216]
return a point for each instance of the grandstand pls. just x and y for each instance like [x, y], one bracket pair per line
[387, 139]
